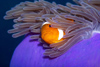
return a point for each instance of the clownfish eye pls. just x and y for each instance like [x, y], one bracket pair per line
[49, 25]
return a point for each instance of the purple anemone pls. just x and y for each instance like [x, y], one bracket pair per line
[86, 53]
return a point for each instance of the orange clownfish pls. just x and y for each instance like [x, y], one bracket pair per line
[51, 35]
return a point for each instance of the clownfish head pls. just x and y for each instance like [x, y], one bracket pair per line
[51, 35]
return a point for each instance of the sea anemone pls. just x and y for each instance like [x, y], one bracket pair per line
[78, 22]
[29, 53]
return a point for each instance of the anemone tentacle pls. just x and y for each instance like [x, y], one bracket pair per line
[77, 21]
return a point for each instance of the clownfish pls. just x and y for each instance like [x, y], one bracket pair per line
[51, 35]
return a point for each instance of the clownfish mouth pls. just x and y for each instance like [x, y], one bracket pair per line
[51, 35]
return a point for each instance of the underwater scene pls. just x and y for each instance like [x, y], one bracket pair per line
[50, 33]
